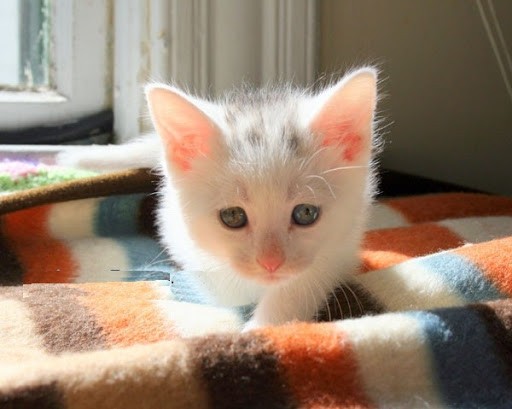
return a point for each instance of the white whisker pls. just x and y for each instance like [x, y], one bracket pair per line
[312, 191]
[343, 168]
[347, 300]
[155, 260]
[359, 304]
[338, 302]
[303, 165]
[307, 297]
[325, 181]
[313, 294]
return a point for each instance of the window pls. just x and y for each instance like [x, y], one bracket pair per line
[24, 39]
[95, 55]
[57, 61]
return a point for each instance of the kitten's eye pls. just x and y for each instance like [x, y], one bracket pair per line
[233, 217]
[305, 214]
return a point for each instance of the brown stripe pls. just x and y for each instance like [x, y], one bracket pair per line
[240, 371]
[147, 217]
[11, 271]
[128, 181]
[61, 320]
[349, 300]
[497, 316]
[40, 397]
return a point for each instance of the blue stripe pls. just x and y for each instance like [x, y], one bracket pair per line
[470, 373]
[149, 262]
[462, 275]
[185, 288]
[147, 259]
[117, 215]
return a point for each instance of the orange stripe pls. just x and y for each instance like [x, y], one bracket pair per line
[318, 364]
[44, 259]
[387, 247]
[436, 207]
[494, 258]
[127, 313]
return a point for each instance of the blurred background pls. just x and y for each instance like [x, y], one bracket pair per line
[73, 70]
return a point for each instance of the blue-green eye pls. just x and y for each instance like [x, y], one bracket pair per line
[305, 214]
[233, 217]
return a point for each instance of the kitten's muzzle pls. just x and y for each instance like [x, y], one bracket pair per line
[271, 262]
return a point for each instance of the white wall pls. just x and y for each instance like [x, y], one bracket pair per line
[445, 94]
[235, 44]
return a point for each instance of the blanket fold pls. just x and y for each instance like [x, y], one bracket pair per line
[95, 314]
[456, 357]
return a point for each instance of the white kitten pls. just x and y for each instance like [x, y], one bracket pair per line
[265, 193]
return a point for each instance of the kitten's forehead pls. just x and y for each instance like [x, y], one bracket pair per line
[266, 123]
[269, 147]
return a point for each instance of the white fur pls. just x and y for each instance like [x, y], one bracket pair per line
[143, 153]
[266, 180]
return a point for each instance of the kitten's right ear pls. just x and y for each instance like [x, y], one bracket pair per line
[345, 118]
[185, 130]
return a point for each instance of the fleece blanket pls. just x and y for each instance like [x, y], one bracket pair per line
[93, 313]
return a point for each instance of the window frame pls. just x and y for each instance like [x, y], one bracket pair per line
[80, 82]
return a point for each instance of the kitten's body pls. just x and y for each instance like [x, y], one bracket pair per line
[265, 152]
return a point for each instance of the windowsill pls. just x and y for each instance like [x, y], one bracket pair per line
[33, 97]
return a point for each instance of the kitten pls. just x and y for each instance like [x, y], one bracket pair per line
[265, 192]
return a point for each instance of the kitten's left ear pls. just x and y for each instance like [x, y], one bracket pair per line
[186, 131]
[345, 117]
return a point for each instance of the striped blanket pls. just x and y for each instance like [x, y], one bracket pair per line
[94, 315]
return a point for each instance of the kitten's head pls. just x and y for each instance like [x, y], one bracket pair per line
[274, 182]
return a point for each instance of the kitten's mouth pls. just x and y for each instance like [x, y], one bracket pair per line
[263, 276]
[273, 278]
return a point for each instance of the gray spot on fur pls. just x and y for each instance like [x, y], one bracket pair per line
[265, 123]
[255, 138]
[291, 139]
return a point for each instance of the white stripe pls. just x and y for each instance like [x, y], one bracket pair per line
[480, 229]
[409, 285]
[206, 319]
[385, 217]
[19, 339]
[98, 258]
[74, 219]
[393, 360]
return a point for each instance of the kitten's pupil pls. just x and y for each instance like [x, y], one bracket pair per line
[233, 217]
[305, 214]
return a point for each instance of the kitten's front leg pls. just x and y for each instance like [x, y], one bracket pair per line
[299, 300]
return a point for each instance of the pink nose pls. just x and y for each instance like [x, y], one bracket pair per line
[271, 263]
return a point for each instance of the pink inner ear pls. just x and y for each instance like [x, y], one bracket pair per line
[345, 120]
[185, 130]
[346, 139]
[190, 146]
[189, 140]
